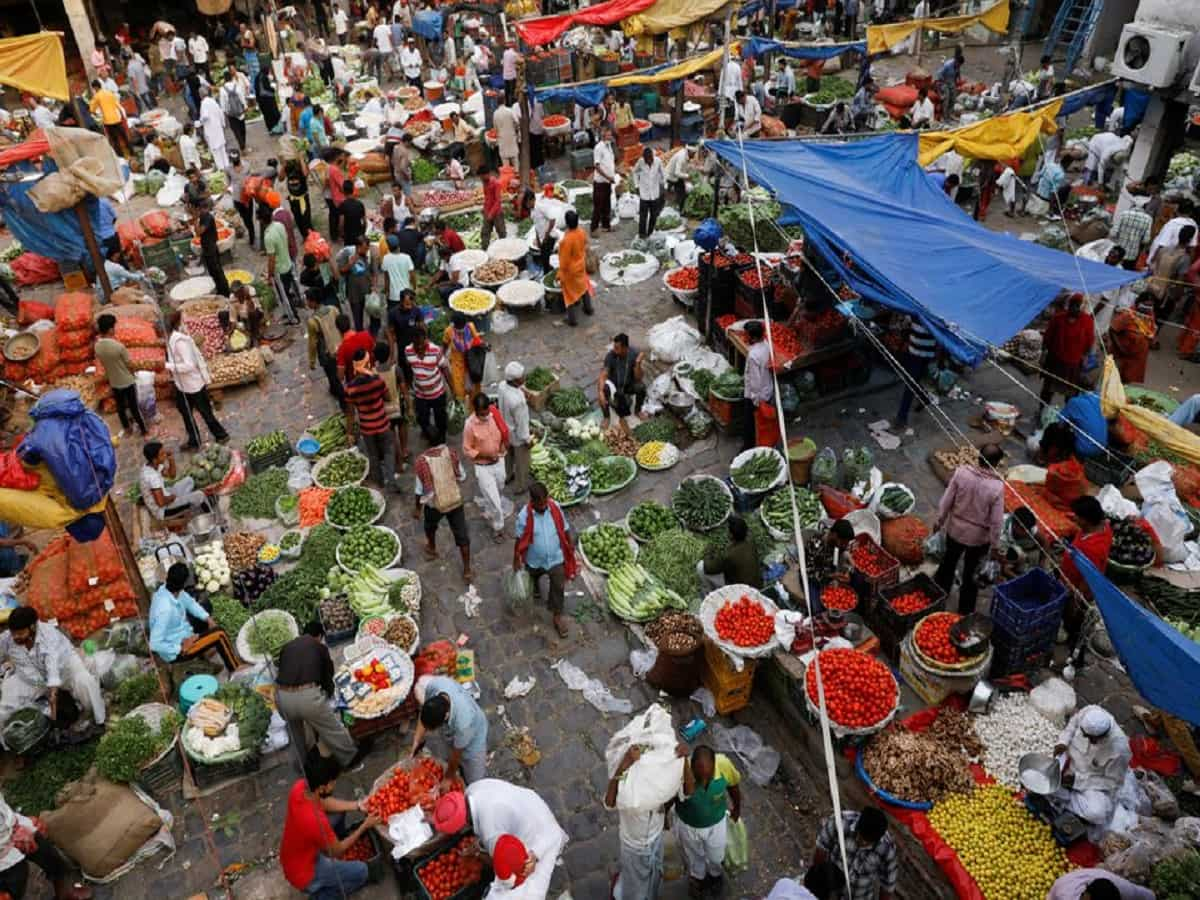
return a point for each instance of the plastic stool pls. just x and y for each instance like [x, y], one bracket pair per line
[195, 689]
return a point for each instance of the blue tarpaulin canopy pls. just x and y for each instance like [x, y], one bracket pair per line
[911, 248]
[1162, 663]
[756, 47]
[592, 93]
[428, 24]
[53, 235]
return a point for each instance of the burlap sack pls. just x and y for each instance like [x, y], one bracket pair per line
[100, 825]
[56, 192]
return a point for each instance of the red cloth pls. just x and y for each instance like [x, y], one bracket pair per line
[1095, 546]
[498, 418]
[491, 198]
[306, 832]
[453, 242]
[1069, 340]
[544, 29]
[352, 342]
[570, 566]
[36, 146]
[766, 425]
[1150, 754]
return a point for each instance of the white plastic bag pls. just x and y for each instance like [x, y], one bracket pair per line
[786, 623]
[658, 773]
[885, 513]
[672, 340]
[864, 522]
[704, 697]
[935, 546]
[276, 737]
[759, 759]
[642, 661]
[1114, 504]
[627, 206]
[594, 692]
[1162, 509]
[503, 322]
[1054, 699]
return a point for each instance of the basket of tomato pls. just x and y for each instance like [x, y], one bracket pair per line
[684, 283]
[871, 567]
[366, 849]
[455, 872]
[933, 647]
[408, 784]
[861, 694]
[901, 606]
[740, 620]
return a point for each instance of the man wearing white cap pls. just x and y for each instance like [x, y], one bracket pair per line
[515, 410]
[1095, 754]
[410, 62]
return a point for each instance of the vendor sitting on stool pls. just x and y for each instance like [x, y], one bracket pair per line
[46, 668]
[172, 635]
[621, 384]
[162, 503]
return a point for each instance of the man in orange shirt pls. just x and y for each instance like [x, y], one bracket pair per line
[572, 268]
[112, 117]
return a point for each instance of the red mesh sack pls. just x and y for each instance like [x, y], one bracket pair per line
[47, 583]
[31, 268]
[14, 475]
[1065, 482]
[131, 234]
[75, 355]
[156, 223]
[79, 367]
[904, 538]
[900, 95]
[837, 503]
[73, 311]
[15, 371]
[134, 332]
[30, 311]
[1186, 479]
[1020, 493]
[74, 338]
[1122, 431]
[44, 366]
[147, 359]
[317, 246]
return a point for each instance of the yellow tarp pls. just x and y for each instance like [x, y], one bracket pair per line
[1174, 437]
[35, 63]
[44, 506]
[885, 37]
[1000, 137]
[684, 69]
[668, 14]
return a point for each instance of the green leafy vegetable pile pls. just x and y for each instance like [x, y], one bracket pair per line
[699, 202]
[700, 503]
[702, 380]
[567, 402]
[229, 613]
[130, 743]
[735, 220]
[423, 171]
[539, 379]
[671, 557]
[657, 428]
[729, 385]
[250, 712]
[34, 788]
[1177, 877]
[839, 87]
[299, 590]
[255, 499]
[133, 692]
[267, 635]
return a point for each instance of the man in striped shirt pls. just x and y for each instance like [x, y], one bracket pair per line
[922, 348]
[428, 365]
[367, 394]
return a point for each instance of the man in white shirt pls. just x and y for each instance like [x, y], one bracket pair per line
[198, 48]
[189, 370]
[650, 180]
[410, 62]
[676, 173]
[212, 120]
[164, 502]
[749, 114]
[23, 841]
[341, 24]
[784, 85]
[383, 43]
[45, 666]
[1102, 148]
[1168, 236]
[508, 66]
[731, 80]
[922, 111]
[138, 74]
[515, 409]
[42, 117]
[233, 105]
[188, 148]
[181, 50]
[604, 176]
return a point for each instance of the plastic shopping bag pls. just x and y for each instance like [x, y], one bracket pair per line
[518, 590]
[737, 847]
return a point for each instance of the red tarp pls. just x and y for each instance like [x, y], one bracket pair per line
[543, 30]
[36, 146]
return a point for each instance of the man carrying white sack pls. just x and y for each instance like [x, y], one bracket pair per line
[45, 668]
[514, 827]
[1096, 778]
[645, 765]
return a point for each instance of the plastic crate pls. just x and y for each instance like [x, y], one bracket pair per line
[469, 892]
[1103, 469]
[206, 776]
[276, 458]
[1028, 603]
[1011, 660]
[870, 585]
[163, 777]
[899, 624]
[729, 687]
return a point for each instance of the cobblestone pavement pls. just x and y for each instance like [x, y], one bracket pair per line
[238, 828]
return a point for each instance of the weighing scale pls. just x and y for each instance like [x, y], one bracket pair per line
[1041, 776]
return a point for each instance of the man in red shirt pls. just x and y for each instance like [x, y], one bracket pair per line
[1068, 339]
[313, 844]
[493, 209]
[1094, 541]
[367, 395]
[352, 342]
[450, 239]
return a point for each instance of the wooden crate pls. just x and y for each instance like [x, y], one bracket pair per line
[730, 688]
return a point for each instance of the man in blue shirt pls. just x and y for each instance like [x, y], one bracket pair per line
[12, 562]
[1091, 429]
[544, 547]
[172, 636]
[448, 708]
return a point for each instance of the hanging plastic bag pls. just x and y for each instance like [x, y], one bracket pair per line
[825, 468]
[503, 322]
[760, 760]
[737, 847]
[518, 590]
[935, 545]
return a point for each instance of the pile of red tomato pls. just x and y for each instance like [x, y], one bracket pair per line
[685, 279]
[375, 674]
[447, 874]
[407, 788]
[912, 602]
[859, 689]
[744, 623]
[360, 851]
[751, 279]
[838, 596]
[871, 559]
[932, 637]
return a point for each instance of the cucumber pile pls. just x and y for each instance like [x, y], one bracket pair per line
[637, 596]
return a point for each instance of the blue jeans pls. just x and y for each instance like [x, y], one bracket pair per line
[336, 878]
[916, 367]
[1187, 412]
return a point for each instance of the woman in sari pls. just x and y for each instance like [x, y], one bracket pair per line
[268, 102]
[459, 337]
[1130, 337]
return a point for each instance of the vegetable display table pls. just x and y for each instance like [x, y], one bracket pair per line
[738, 349]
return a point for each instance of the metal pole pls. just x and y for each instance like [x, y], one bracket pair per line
[37, 15]
[677, 117]
[721, 79]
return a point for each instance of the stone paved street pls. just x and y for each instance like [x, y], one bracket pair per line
[237, 829]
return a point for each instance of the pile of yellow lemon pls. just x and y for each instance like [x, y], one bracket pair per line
[655, 453]
[471, 301]
[1010, 854]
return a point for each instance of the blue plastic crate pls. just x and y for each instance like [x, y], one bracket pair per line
[1029, 603]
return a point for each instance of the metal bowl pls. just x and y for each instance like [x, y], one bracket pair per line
[23, 346]
[972, 634]
[203, 526]
[1040, 773]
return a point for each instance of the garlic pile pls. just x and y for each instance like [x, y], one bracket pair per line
[1012, 729]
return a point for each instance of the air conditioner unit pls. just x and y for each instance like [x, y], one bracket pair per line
[1149, 55]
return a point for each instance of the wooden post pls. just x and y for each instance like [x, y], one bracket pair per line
[721, 78]
[89, 238]
[677, 117]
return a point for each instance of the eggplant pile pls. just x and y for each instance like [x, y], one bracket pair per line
[1131, 545]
